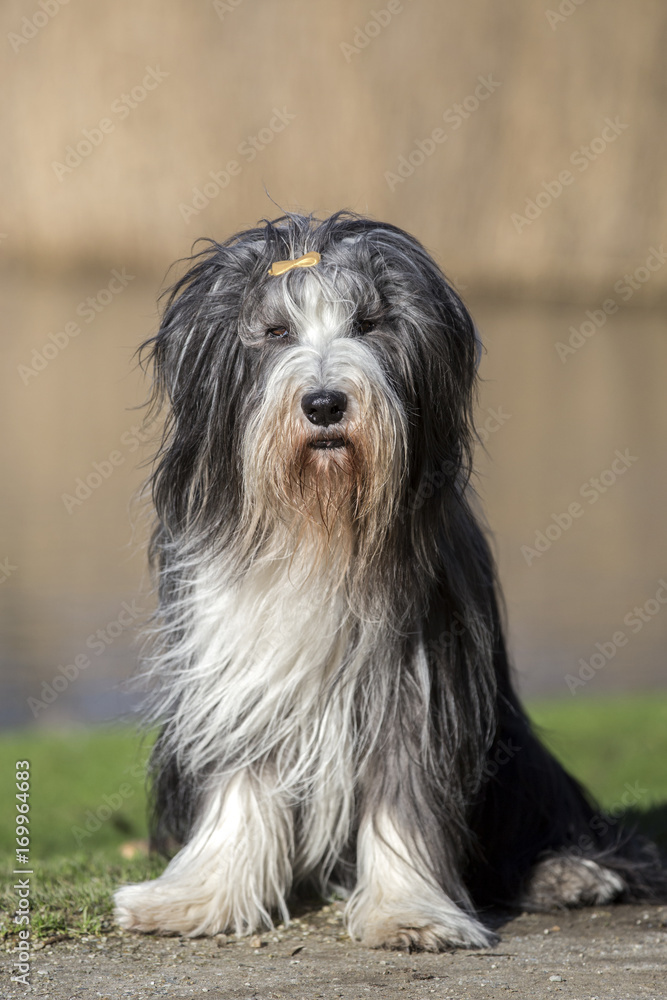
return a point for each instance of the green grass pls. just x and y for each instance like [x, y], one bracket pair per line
[71, 896]
[617, 748]
[87, 799]
[77, 779]
[610, 742]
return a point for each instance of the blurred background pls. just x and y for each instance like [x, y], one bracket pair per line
[523, 144]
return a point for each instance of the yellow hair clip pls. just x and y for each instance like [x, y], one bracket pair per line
[282, 266]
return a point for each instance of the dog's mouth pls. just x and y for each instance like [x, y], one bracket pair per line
[328, 444]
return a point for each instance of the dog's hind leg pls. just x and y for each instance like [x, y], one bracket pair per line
[566, 879]
[399, 903]
[233, 872]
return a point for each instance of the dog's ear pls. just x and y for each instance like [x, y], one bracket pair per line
[202, 311]
[448, 359]
[200, 376]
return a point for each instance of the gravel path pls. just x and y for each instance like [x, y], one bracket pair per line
[618, 953]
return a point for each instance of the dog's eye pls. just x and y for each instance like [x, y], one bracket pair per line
[366, 325]
[277, 333]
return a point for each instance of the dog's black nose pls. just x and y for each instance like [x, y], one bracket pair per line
[324, 407]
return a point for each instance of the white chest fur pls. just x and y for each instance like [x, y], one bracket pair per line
[270, 685]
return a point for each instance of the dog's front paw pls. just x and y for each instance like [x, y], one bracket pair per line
[421, 934]
[163, 908]
[379, 924]
[127, 912]
[147, 907]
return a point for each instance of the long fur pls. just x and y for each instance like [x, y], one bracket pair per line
[327, 663]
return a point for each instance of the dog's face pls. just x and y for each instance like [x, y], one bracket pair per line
[319, 396]
[326, 432]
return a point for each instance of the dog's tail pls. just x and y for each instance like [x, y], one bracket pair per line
[639, 865]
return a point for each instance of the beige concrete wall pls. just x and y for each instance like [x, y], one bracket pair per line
[66, 571]
[556, 78]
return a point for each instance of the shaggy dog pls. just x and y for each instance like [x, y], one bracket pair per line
[328, 666]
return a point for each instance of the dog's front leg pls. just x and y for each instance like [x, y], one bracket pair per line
[233, 872]
[399, 902]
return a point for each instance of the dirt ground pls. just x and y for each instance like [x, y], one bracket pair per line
[616, 953]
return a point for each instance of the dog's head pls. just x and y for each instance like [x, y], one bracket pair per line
[336, 395]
